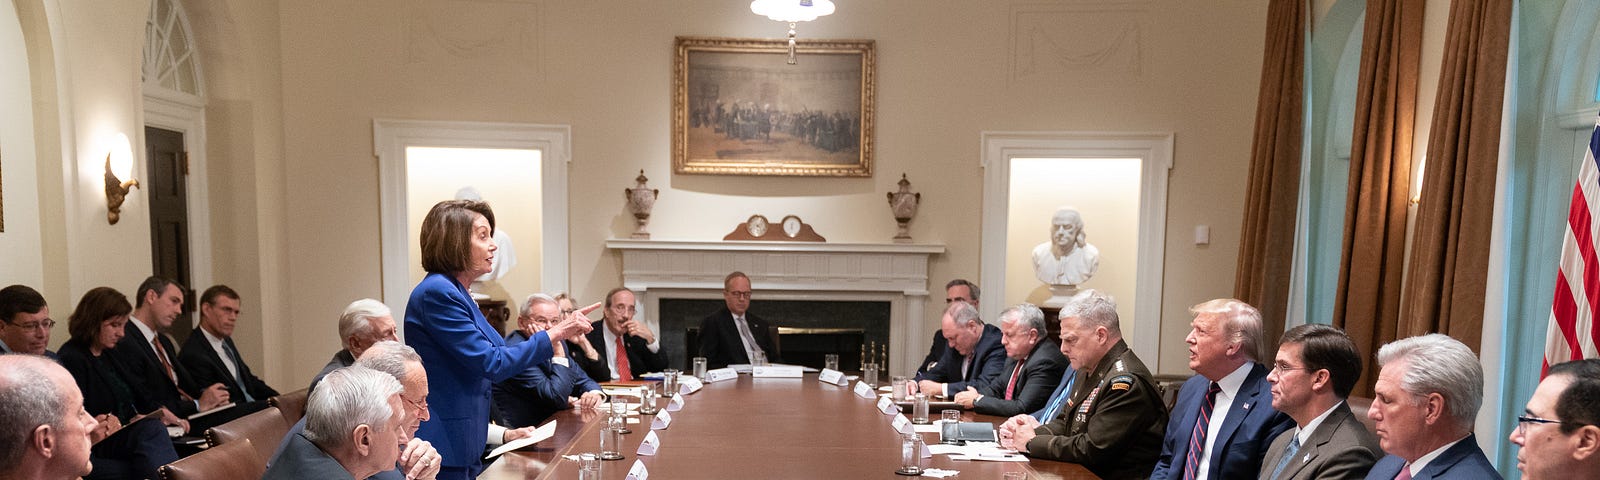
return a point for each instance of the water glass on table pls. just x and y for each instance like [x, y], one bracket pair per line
[910, 454]
[669, 382]
[700, 368]
[919, 409]
[869, 374]
[610, 443]
[588, 467]
[899, 389]
[830, 361]
[950, 416]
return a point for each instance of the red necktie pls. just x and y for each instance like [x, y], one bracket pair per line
[1012, 385]
[1405, 473]
[161, 354]
[623, 372]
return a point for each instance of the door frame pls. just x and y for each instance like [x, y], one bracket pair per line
[185, 114]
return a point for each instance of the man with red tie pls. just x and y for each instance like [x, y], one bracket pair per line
[627, 348]
[152, 358]
[1032, 370]
[1424, 406]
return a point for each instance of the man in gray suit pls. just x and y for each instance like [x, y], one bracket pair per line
[1316, 367]
[355, 427]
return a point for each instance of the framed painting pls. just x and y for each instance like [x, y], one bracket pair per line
[739, 108]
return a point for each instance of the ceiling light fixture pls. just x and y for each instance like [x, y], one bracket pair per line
[792, 11]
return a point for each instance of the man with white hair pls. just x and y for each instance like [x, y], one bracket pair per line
[363, 323]
[419, 459]
[355, 427]
[545, 388]
[1559, 431]
[1223, 422]
[1425, 402]
[44, 430]
[1033, 367]
[975, 356]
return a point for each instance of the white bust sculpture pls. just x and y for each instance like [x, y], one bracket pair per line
[1068, 258]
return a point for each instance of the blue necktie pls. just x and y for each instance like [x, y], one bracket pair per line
[238, 367]
[1050, 411]
[1288, 453]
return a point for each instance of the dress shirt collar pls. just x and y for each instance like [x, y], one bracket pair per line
[1304, 434]
[1231, 383]
[149, 333]
[1423, 461]
[215, 341]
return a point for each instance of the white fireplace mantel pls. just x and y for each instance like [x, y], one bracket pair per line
[893, 272]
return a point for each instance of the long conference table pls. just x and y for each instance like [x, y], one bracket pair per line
[758, 428]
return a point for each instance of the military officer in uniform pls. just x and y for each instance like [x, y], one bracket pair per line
[1114, 420]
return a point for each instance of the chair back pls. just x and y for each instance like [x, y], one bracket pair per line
[233, 460]
[1359, 407]
[265, 428]
[292, 405]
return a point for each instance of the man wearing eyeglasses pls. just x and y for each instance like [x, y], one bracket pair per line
[1426, 400]
[1558, 430]
[1223, 421]
[626, 347]
[733, 335]
[958, 290]
[24, 321]
[1316, 368]
[544, 388]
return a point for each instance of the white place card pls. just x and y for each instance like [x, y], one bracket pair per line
[864, 391]
[688, 385]
[774, 371]
[926, 453]
[675, 404]
[901, 424]
[714, 376]
[661, 421]
[833, 377]
[887, 406]
[650, 444]
[638, 472]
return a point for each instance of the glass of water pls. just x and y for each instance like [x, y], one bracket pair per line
[700, 368]
[899, 389]
[830, 361]
[610, 443]
[669, 382]
[869, 374]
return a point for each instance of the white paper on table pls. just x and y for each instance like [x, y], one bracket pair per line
[650, 444]
[901, 424]
[541, 433]
[945, 449]
[624, 391]
[935, 427]
[887, 406]
[925, 452]
[939, 473]
[992, 457]
[638, 472]
[863, 391]
[675, 404]
[661, 421]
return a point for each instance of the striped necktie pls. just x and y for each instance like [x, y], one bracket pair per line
[1197, 439]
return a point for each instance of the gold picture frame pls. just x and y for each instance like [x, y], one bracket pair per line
[738, 108]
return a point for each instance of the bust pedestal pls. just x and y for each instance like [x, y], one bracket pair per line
[1060, 295]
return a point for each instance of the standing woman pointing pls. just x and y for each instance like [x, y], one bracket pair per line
[461, 352]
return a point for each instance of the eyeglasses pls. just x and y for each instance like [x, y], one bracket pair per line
[1524, 420]
[738, 294]
[1284, 367]
[422, 405]
[44, 325]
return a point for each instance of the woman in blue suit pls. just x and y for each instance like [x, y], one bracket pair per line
[461, 352]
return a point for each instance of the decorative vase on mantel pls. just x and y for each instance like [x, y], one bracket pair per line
[903, 204]
[641, 199]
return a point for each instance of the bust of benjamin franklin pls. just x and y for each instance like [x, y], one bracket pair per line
[1068, 258]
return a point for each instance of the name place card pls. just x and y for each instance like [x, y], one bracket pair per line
[864, 391]
[650, 444]
[714, 376]
[902, 424]
[887, 406]
[661, 421]
[832, 377]
[675, 404]
[774, 371]
[638, 472]
[688, 385]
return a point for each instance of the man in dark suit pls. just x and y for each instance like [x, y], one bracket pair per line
[530, 397]
[363, 323]
[640, 352]
[1426, 401]
[1032, 370]
[1317, 365]
[24, 321]
[974, 358]
[355, 428]
[958, 290]
[1559, 430]
[211, 356]
[732, 335]
[1224, 420]
[153, 361]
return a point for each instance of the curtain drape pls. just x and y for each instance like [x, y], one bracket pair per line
[1449, 262]
[1367, 305]
[1266, 245]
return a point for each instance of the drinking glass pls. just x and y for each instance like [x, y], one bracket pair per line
[950, 416]
[588, 467]
[919, 411]
[760, 360]
[910, 454]
[619, 416]
[649, 397]
[610, 443]
[669, 382]
[830, 361]
[869, 374]
[700, 368]
[1015, 476]
[899, 388]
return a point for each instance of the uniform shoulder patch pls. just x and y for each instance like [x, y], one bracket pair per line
[1122, 382]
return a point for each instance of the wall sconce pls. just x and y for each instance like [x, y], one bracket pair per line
[116, 188]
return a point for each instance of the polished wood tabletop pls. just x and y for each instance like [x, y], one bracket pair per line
[758, 428]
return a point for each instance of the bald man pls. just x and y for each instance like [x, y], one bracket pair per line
[44, 430]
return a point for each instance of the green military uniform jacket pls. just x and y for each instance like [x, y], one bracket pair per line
[1113, 423]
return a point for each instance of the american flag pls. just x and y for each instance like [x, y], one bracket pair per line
[1573, 333]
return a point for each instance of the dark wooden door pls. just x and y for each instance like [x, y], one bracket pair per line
[169, 217]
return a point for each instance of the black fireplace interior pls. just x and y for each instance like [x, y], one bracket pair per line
[808, 329]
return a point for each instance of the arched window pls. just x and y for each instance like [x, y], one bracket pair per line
[169, 53]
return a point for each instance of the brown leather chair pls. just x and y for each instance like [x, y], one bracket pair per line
[292, 405]
[265, 428]
[236, 460]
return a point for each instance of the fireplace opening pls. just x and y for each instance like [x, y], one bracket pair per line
[807, 329]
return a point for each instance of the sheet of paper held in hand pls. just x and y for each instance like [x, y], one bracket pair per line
[544, 431]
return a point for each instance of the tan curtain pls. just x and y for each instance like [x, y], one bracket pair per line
[1266, 247]
[1367, 305]
[1450, 252]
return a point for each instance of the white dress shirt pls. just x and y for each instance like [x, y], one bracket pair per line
[1219, 412]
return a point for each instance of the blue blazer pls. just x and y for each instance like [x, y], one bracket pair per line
[1462, 460]
[540, 391]
[1242, 441]
[463, 355]
[988, 361]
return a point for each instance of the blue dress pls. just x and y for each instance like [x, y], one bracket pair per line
[463, 356]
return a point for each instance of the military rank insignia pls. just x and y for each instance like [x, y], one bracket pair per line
[1122, 382]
